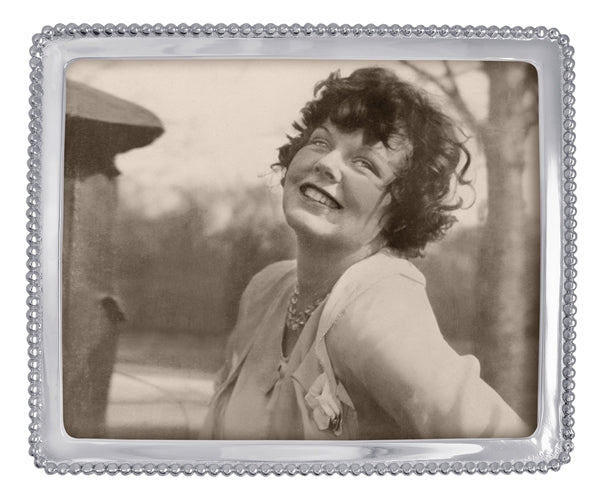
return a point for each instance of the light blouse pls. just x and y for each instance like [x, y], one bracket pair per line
[370, 363]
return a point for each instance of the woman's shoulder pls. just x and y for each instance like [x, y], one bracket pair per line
[386, 268]
[388, 302]
[257, 297]
[382, 280]
[383, 303]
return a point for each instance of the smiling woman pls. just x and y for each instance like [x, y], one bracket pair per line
[342, 342]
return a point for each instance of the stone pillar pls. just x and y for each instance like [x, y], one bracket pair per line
[98, 126]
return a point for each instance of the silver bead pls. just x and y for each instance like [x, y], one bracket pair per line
[355, 469]
[316, 469]
[343, 469]
[125, 468]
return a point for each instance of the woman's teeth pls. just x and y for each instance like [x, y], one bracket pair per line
[317, 196]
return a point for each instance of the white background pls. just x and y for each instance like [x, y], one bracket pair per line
[20, 480]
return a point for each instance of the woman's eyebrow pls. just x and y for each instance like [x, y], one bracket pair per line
[324, 127]
[376, 152]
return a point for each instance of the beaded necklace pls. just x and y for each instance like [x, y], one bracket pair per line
[294, 319]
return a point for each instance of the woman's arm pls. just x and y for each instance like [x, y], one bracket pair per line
[388, 343]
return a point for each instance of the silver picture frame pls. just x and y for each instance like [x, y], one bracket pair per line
[550, 445]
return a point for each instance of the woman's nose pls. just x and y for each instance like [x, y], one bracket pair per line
[330, 165]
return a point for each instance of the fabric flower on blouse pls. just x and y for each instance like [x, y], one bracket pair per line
[326, 408]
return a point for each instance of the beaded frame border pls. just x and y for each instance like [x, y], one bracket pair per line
[34, 239]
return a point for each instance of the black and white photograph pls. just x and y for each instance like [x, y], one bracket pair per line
[280, 249]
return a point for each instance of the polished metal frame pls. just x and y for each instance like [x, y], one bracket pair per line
[54, 48]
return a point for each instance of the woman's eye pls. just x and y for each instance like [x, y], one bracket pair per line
[317, 141]
[364, 164]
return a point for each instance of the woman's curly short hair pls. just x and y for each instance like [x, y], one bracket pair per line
[386, 108]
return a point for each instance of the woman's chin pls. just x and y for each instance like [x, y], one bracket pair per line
[311, 226]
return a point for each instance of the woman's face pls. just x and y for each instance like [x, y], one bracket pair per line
[334, 189]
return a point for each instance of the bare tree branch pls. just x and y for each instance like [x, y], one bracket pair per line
[465, 70]
[451, 79]
[425, 76]
[450, 90]
[457, 99]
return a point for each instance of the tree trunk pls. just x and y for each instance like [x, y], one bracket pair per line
[508, 276]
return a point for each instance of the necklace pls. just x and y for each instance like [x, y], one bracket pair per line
[294, 319]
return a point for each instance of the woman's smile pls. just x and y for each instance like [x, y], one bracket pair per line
[320, 196]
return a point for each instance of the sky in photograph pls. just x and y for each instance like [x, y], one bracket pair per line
[225, 119]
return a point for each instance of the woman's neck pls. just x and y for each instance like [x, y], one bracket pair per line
[319, 267]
